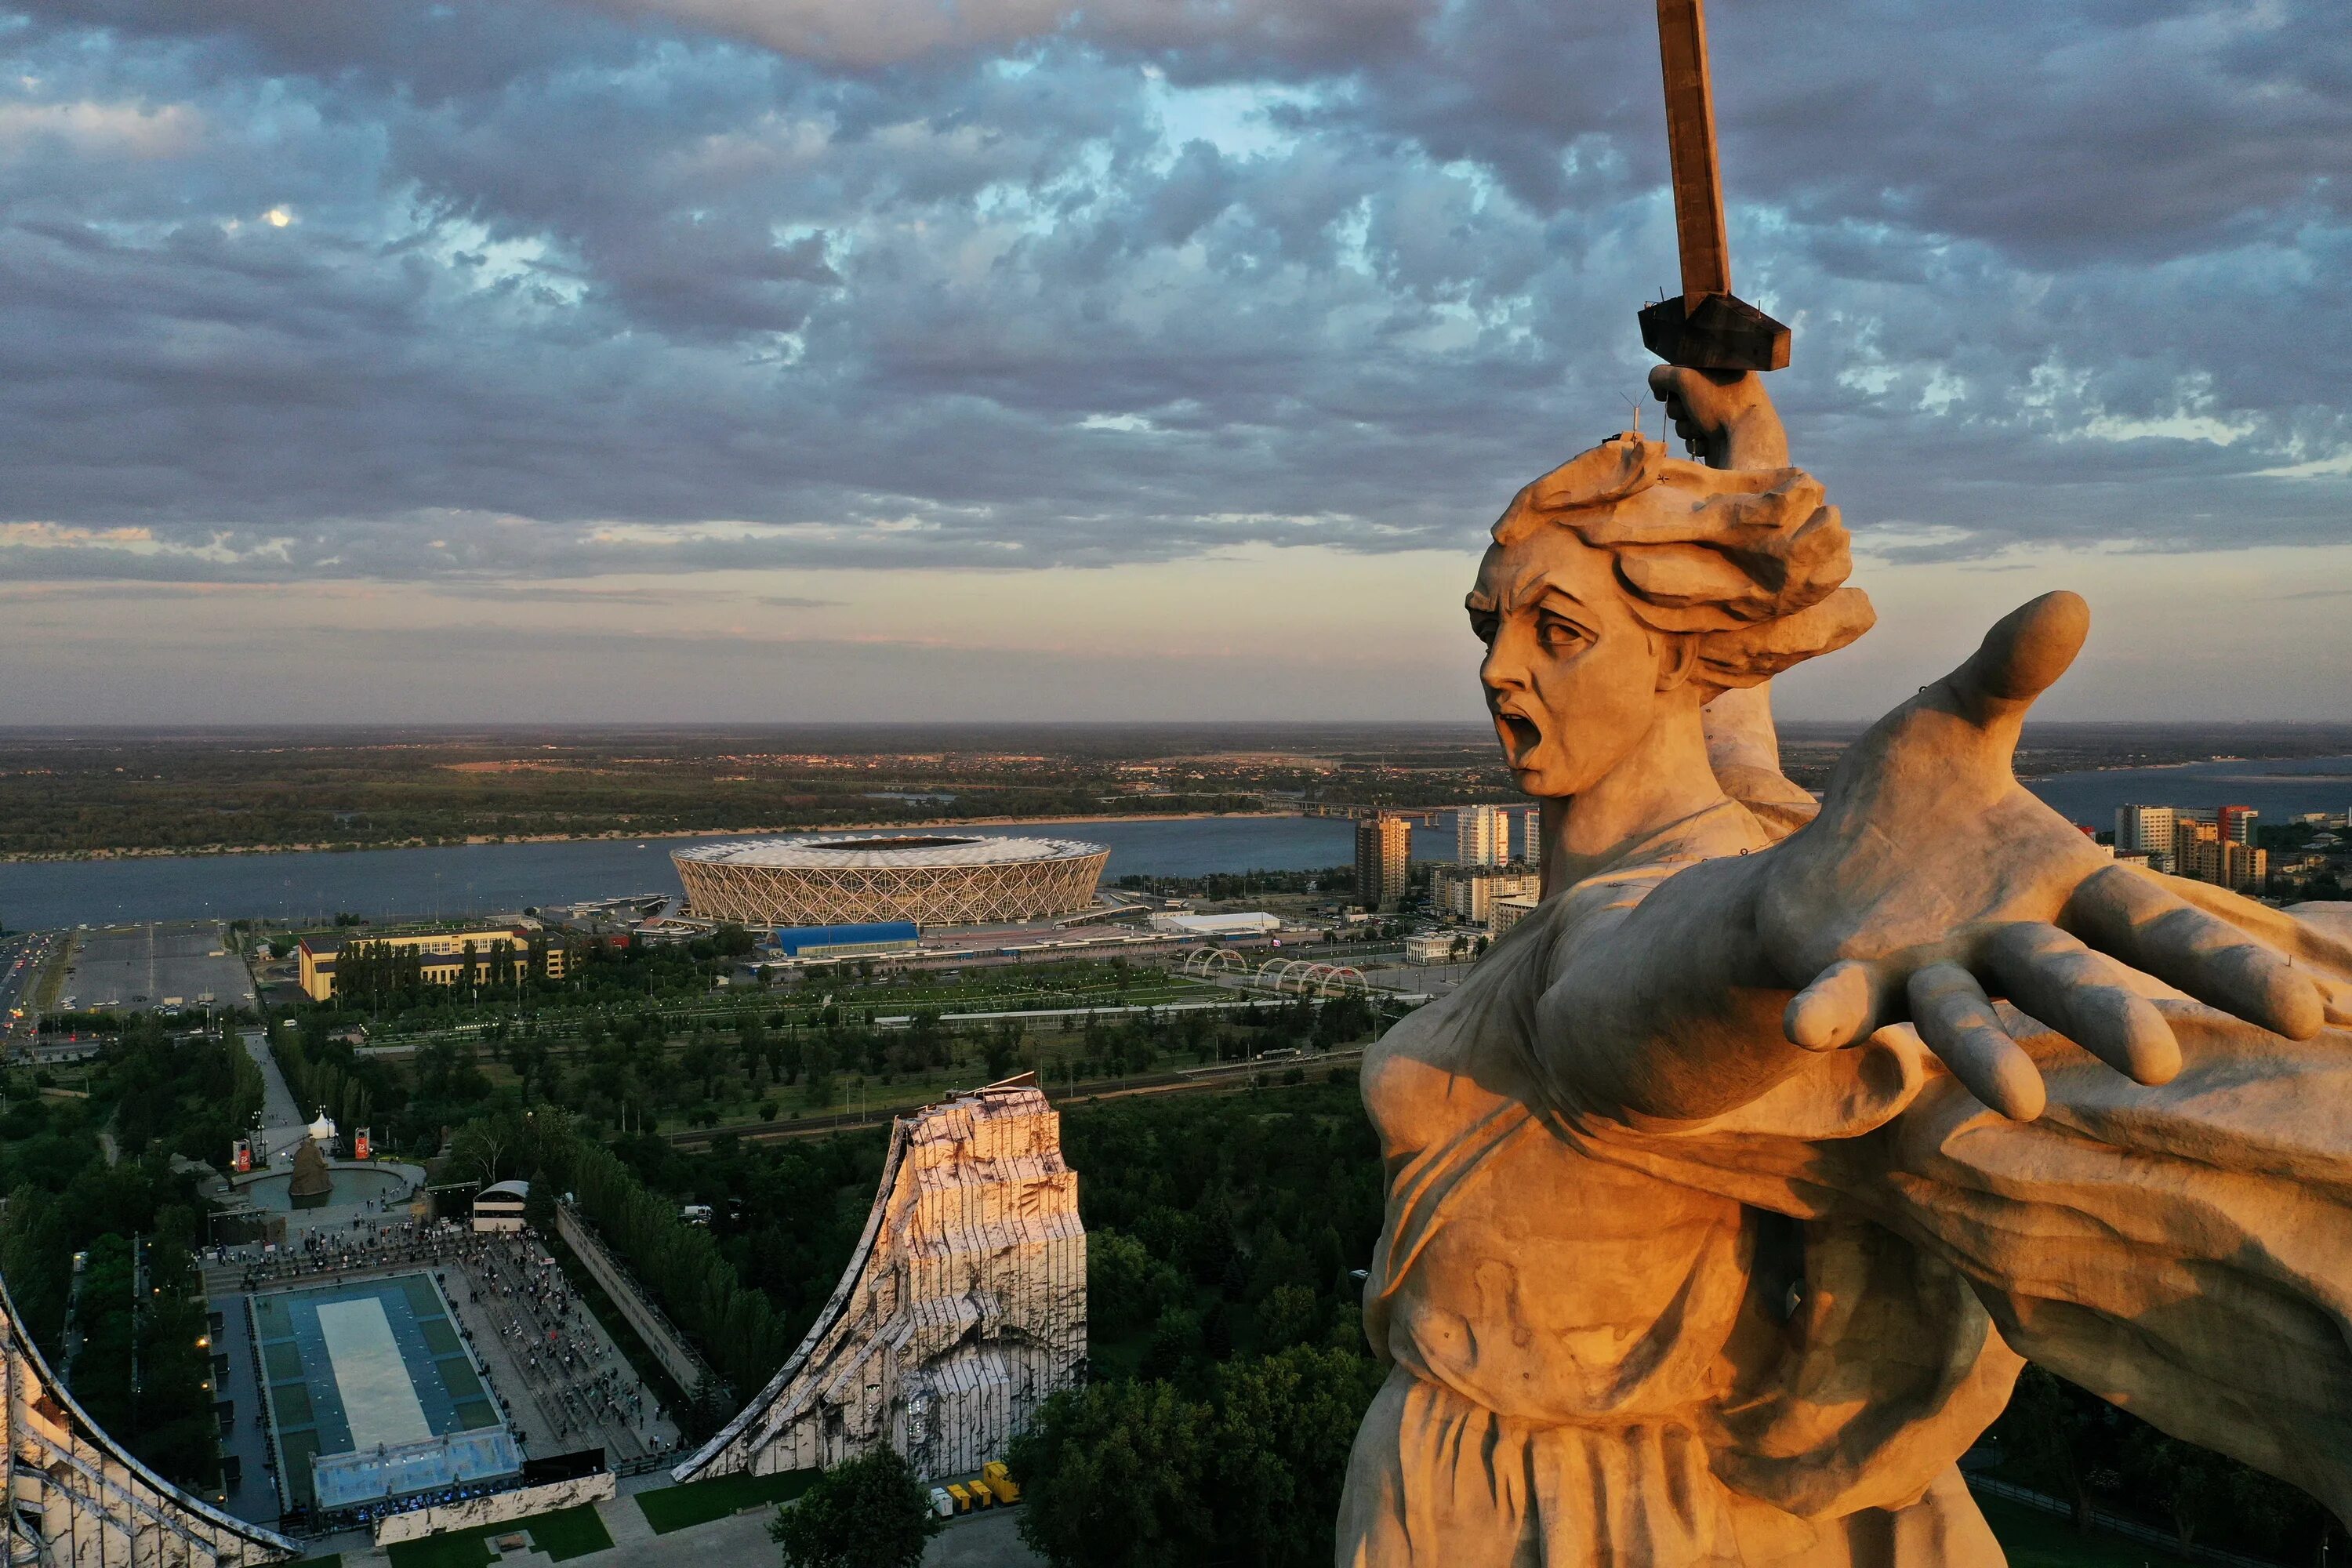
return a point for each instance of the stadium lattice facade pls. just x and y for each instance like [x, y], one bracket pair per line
[930, 879]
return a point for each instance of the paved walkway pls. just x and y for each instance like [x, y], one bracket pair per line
[982, 1540]
[282, 1120]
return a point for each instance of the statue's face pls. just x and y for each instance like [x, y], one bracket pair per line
[1571, 676]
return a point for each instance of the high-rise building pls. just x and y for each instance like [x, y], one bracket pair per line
[1468, 892]
[2204, 853]
[1531, 837]
[2237, 824]
[1383, 855]
[2146, 829]
[1482, 836]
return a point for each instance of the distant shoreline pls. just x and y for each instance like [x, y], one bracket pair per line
[209, 850]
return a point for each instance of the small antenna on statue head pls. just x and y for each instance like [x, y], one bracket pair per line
[1635, 404]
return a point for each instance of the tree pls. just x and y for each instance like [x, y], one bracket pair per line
[1281, 1437]
[1114, 1476]
[2055, 1436]
[869, 1513]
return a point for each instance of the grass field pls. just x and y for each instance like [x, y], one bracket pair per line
[699, 1502]
[565, 1533]
[2036, 1539]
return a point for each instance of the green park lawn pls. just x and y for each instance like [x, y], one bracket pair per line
[565, 1533]
[699, 1502]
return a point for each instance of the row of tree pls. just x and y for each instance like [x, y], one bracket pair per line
[739, 1331]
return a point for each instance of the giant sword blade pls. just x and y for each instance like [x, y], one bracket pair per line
[1708, 327]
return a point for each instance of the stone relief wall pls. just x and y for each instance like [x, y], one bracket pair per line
[496, 1508]
[76, 1500]
[964, 1307]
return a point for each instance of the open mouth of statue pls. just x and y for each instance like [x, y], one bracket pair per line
[1519, 736]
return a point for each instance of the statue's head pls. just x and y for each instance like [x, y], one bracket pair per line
[1626, 585]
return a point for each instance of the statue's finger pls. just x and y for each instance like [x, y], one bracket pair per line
[2123, 914]
[2024, 653]
[2086, 996]
[1956, 1019]
[1838, 1008]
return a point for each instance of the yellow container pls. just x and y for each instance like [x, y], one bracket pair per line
[981, 1496]
[962, 1497]
[1000, 1482]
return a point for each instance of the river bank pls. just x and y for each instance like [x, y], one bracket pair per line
[490, 877]
[205, 852]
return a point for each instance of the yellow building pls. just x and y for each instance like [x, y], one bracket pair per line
[2203, 852]
[501, 954]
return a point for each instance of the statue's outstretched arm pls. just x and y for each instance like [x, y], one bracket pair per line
[1930, 882]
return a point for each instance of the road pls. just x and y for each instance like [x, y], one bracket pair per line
[21, 958]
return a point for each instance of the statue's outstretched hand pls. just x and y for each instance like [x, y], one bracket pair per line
[1932, 880]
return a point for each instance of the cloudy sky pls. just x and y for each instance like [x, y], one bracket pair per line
[776, 359]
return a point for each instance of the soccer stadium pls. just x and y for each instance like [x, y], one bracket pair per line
[931, 879]
[372, 1393]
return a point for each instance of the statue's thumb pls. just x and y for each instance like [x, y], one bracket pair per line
[2023, 655]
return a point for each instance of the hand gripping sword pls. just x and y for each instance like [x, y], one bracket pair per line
[1707, 328]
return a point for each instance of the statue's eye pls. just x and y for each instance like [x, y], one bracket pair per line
[1552, 631]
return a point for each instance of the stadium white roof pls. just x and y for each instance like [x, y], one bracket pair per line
[896, 851]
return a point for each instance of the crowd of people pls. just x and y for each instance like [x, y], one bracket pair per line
[579, 1386]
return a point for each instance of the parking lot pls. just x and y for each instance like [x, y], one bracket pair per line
[146, 968]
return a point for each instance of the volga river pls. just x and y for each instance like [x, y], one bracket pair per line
[501, 876]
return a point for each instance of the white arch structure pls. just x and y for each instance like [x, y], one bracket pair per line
[1207, 961]
[77, 1499]
[1310, 976]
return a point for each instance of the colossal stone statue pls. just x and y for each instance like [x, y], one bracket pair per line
[1729, 1193]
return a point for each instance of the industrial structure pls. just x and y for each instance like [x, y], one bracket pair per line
[928, 879]
[964, 1305]
[77, 1499]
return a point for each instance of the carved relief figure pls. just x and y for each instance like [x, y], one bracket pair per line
[1726, 1194]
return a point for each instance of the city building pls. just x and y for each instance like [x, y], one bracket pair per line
[1531, 836]
[498, 1207]
[1467, 893]
[2147, 829]
[1509, 911]
[499, 954]
[2237, 823]
[1482, 836]
[847, 941]
[931, 879]
[2202, 852]
[1383, 861]
[1437, 946]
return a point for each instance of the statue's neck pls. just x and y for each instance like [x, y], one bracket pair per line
[1662, 780]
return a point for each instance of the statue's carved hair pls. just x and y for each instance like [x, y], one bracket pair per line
[1749, 562]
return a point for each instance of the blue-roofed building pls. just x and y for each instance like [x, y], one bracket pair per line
[846, 941]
